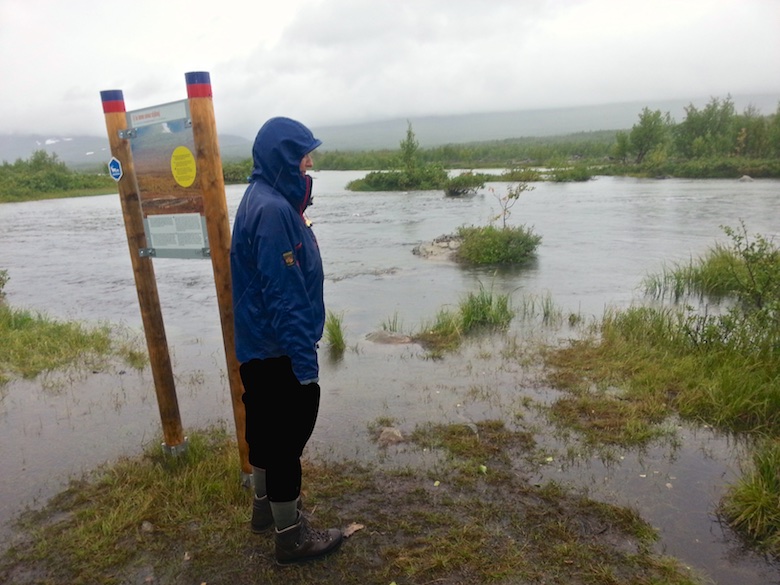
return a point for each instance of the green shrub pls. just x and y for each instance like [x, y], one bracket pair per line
[412, 173]
[236, 173]
[426, 178]
[465, 184]
[493, 245]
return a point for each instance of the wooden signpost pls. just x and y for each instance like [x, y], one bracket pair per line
[143, 271]
[162, 218]
[212, 184]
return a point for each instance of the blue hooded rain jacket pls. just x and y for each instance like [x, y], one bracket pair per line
[275, 261]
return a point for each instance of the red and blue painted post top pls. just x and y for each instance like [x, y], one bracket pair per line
[198, 84]
[113, 101]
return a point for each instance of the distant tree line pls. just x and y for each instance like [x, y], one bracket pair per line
[510, 153]
[712, 141]
[42, 175]
[480, 155]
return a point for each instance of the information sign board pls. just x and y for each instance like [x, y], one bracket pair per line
[166, 169]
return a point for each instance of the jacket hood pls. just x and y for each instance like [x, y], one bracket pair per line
[279, 147]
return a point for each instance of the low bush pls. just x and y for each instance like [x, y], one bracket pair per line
[494, 245]
[465, 184]
[427, 178]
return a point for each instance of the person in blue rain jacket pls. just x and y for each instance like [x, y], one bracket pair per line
[279, 316]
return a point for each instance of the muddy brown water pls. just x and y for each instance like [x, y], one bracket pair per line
[69, 259]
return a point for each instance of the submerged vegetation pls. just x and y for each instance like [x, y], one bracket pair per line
[718, 366]
[334, 333]
[471, 516]
[477, 312]
[34, 343]
[707, 350]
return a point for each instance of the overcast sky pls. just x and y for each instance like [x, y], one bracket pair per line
[330, 62]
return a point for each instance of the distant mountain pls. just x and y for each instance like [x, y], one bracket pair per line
[437, 130]
[75, 149]
[92, 151]
[85, 152]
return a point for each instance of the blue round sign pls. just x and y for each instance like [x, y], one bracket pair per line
[115, 168]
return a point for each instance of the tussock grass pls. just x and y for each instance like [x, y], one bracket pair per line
[751, 504]
[717, 274]
[533, 306]
[444, 333]
[334, 333]
[747, 270]
[393, 324]
[483, 310]
[654, 357]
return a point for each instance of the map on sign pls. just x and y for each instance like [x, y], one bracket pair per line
[166, 168]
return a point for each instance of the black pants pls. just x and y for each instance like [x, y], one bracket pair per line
[280, 418]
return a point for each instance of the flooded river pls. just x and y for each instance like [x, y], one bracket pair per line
[69, 259]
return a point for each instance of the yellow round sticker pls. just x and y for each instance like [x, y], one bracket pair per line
[183, 166]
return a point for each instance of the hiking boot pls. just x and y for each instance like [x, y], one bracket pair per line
[300, 542]
[262, 518]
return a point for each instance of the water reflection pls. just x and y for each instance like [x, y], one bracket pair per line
[69, 258]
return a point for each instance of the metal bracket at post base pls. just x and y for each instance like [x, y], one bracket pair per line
[147, 252]
[246, 480]
[176, 450]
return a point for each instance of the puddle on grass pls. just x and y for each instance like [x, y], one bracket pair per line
[676, 488]
[675, 484]
[82, 420]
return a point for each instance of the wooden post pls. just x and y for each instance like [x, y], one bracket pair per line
[212, 184]
[143, 271]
